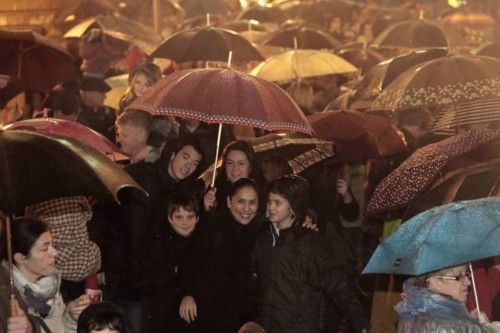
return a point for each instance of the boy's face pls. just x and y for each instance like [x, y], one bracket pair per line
[183, 221]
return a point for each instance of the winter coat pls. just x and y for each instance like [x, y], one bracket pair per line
[294, 270]
[217, 273]
[5, 305]
[425, 311]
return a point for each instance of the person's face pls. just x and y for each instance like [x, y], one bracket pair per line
[278, 209]
[41, 260]
[446, 285]
[140, 84]
[183, 221]
[237, 165]
[243, 204]
[93, 98]
[184, 163]
[132, 139]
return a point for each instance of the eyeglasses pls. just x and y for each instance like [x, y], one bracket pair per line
[455, 277]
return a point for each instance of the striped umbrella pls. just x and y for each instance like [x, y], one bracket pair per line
[481, 111]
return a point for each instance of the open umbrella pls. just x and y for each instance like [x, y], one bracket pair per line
[297, 64]
[303, 37]
[206, 44]
[321, 10]
[244, 25]
[35, 60]
[489, 50]
[196, 8]
[296, 149]
[358, 136]
[76, 11]
[363, 58]
[70, 129]
[421, 169]
[443, 81]
[224, 96]
[120, 28]
[445, 236]
[270, 14]
[412, 34]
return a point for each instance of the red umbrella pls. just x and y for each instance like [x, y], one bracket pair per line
[418, 172]
[358, 136]
[222, 95]
[36, 60]
[70, 129]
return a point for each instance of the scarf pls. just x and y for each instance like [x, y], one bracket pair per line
[39, 295]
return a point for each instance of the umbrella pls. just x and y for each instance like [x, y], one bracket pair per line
[422, 168]
[36, 167]
[206, 44]
[298, 150]
[376, 79]
[483, 111]
[35, 60]
[445, 236]
[196, 8]
[120, 28]
[446, 80]
[303, 37]
[80, 10]
[320, 11]
[364, 58]
[244, 25]
[358, 136]
[70, 129]
[9, 88]
[301, 64]
[479, 180]
[412, 34]
[223, 96]
[474, 20]
[144, 10]
[267, 13]
[119, 85]
[489, 50]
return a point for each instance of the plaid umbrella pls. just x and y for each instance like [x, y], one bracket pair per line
[418, 172]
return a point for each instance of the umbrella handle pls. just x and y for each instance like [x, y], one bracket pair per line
[14, 306]
[219, 134]
[474, 289]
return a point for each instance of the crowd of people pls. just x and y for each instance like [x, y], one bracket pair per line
[262, 250]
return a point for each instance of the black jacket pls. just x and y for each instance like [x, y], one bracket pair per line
[218, 272]
[293, 275]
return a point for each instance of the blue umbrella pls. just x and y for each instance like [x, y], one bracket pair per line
[441, 237]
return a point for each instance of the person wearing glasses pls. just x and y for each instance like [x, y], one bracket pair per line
[435, 302]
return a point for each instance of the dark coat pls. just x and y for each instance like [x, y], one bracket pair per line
[217, 273]
[293, 275]
[100, 119]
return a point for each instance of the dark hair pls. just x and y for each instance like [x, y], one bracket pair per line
[187, 201]
[164, 161]
[295, 190]
[241, 183]
[67, 102]
[24, 232]
[102, 315]
[246, 148]
[152, 71]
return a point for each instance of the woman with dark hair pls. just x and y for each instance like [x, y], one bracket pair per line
[217, 274]
[238, 161]
[294, 268]
[36, 280]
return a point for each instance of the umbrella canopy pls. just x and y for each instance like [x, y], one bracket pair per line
[379, 77]
[224, 96]
[412, 34]
[322, 10]
[80, 10]
[421, 169]
[358, 136]
[489, 50]
[207, 44]
[9, 88]
[120, 28]
[36, 167]
[119, 85]
[267, 13]
[479, 180]
[297, 150]
[364, 58]
[303, 37]
[70, 129]
[301, 64]
[446, 80]
[35, 60]
[441, 237]
[483, 112]
[244, 25]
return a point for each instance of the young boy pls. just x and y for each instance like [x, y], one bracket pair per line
[160, 262]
